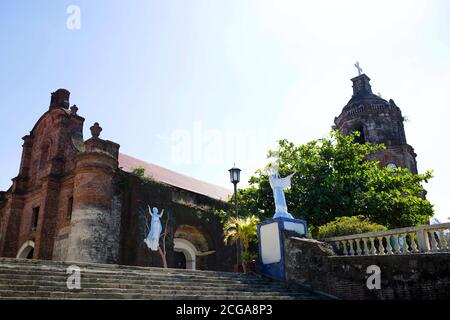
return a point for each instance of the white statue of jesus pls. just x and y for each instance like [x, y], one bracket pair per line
[278, 185]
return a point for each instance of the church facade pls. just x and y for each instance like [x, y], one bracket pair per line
[80, 200]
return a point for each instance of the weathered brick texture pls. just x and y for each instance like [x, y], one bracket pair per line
[378, 121]
[404, 276]
[89, 209]
[45, 181]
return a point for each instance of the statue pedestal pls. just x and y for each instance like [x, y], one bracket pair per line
[271, 244]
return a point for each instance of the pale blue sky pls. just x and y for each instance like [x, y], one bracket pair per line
[172, 81]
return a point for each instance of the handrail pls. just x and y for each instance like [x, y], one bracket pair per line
[390, 232]
[429, 238]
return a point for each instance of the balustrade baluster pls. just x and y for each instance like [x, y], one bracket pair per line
[366, 250]
[358, 247]
[388, 245]
[336, 243]
[351, 251]
[405, 248]
[413, 243]
[396, 244]
[373, 249]
[433, 241]
[380, 245]
[344, 251]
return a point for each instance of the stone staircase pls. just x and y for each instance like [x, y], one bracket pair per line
[38, 279]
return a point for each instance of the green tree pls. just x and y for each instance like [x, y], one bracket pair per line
[343, 226]
[334, 178]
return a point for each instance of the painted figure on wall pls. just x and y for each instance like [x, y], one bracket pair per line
[152, 240]
[278, 185]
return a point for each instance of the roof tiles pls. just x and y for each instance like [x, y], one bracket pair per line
[158, 173]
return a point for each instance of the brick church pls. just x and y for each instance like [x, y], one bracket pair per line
[79, 200]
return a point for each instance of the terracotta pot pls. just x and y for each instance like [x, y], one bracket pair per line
[237, 268]
[249, 266]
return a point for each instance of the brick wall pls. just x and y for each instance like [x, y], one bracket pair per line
[45, 180]
[189, 212]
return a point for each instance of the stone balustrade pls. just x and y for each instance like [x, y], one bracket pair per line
[431, 238]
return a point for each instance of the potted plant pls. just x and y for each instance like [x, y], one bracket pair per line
[243, 230]
[248, 261]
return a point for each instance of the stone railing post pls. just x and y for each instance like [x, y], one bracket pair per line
[423, 241]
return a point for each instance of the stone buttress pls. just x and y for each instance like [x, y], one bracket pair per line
[95, 225]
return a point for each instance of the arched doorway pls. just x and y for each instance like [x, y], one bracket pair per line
[26, 250]
[180, 260]
[185, 254]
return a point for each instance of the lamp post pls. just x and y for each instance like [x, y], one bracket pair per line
[235, 176]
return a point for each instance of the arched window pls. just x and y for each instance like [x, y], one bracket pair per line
[35, 218]
[361, 138]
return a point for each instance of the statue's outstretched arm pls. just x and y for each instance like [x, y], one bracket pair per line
[162, 212]
[285, 182]
[150, 210]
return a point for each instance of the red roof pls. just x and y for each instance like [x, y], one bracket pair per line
[173, 178]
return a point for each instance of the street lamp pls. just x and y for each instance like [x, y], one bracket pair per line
[235, 176]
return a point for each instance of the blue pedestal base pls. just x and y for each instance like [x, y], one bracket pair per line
[271, 244]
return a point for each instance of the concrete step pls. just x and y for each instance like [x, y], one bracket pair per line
[4, 283]
[129, 275]
[137, 280]
[45, 290]
[112, 267]
[34, 279]
[160, 272]
[153, 297]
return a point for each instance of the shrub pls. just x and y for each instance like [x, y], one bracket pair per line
[140, 172]
[343, 226]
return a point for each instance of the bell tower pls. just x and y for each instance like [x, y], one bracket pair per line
[377, 121]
